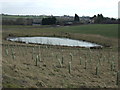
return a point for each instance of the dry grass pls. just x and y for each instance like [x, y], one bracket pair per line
[21, 71]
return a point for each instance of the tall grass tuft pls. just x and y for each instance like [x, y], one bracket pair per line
[56, 56]
[36, 60]
[97, 69]
[60, 63]
[117, 80]
[39, 58]
[33, 51]
[80, 60]
[69, 67]
[86, 64]
[71, 56]
[6, 51]
[112, 66]
[13, 54]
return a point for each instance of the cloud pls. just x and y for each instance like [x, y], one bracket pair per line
[61, 7]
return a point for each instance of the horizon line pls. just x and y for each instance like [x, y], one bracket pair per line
[53, 15]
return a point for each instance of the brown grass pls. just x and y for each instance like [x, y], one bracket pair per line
[22, 71]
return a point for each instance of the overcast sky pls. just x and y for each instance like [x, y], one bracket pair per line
[109, 8]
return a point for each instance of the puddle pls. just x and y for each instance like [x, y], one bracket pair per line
[54, 41]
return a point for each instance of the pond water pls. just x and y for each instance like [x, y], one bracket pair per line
[53, 41]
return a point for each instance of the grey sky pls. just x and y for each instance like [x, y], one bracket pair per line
[108, 8]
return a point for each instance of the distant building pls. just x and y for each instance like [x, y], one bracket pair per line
[86, 20]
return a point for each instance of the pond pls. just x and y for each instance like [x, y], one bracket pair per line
[54, 41]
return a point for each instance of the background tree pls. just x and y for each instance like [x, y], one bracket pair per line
[19, 21]
[49, 21]
[76, 18]
[28, 21]
[99, 18]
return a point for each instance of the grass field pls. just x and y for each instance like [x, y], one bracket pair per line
[36, 66]
[20, 16]
[110, 30]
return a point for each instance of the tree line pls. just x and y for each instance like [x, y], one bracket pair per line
[100, 19]
[18, 21]
[51, 20]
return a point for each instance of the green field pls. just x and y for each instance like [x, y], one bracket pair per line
[104, 30]
[107, 30]
[21, 16]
